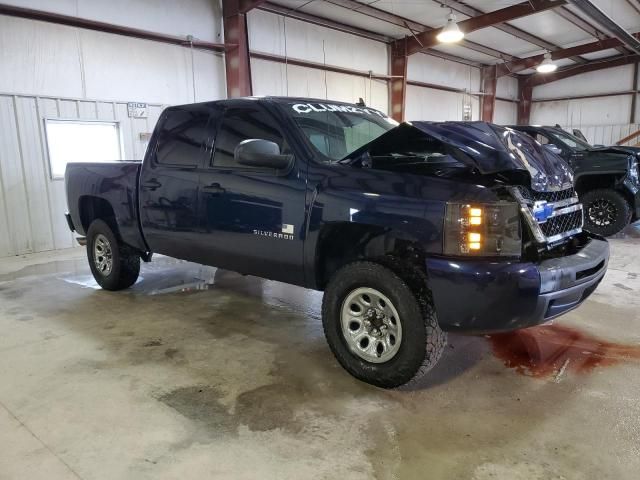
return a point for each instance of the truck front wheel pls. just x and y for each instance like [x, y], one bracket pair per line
[606, 211]
[380, 322]
[115, 265]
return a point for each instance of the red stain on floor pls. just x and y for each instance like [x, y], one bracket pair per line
[553, 349]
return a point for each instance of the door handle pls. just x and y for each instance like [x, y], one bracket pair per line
[152, 185]
[213, 189]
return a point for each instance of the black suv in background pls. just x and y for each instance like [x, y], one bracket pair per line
[606, 178]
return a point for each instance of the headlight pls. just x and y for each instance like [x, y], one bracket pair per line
[485, 230]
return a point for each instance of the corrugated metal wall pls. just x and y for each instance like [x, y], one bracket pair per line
[606, 134]
[32, 205]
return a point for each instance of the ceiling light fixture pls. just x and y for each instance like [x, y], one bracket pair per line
[450, 33]
[547, 65]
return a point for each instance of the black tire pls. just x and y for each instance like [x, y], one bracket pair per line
[598, 205]
[125, 261]
[422, 341]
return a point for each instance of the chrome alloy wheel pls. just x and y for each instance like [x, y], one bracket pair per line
[602, 212]
[102, 255]
[371, 325]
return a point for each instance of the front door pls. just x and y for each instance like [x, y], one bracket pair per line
[169, 182]
[252, 218]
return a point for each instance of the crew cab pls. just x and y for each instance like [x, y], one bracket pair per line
[606, 178]
[411, 230]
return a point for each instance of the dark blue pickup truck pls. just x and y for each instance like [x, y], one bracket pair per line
[411, 230]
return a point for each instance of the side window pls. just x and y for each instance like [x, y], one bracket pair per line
[182, 136]
[240, 124]
[542, 139]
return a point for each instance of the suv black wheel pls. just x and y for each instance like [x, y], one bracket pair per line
[380, 322]
[606, 212]
[114, 265]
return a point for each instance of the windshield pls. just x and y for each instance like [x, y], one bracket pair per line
[571, 141]
[336, 130]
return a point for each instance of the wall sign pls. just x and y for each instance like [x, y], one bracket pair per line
[137, 110]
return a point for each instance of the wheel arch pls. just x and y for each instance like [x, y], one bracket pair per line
[591, 181]
[341, 243]
[93, 208]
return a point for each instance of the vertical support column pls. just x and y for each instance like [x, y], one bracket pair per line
[398, 83]
[634, 97]
[489, 84]
[525, 95]
[237, 65]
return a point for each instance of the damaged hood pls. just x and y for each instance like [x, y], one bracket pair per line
[483, 146]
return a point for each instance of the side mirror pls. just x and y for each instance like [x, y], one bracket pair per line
[552, 148]
[260, 153]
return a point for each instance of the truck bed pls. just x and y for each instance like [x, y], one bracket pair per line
[106, 185]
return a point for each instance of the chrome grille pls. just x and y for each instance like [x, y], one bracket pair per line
[550, 197]
[562, 223]
[562, 216]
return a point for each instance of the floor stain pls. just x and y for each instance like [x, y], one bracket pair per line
[622, 286]
[201, 404]
[550, 350]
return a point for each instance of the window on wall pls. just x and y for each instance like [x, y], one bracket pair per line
[81, 141]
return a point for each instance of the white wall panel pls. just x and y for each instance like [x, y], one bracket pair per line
[149, 71]
[47, 59]
[610, 80]
[32, 205]
[430, 69]
[200, 18]
[37, 57]
[436, 105]
[274, 78]
[589, 111]
[505, 113]
[507, 87]
[16, 232]
[277, 35]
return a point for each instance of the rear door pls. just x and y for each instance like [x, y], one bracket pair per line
[252, 218]
[169, 181]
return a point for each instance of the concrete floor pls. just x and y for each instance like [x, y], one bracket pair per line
[198, 373]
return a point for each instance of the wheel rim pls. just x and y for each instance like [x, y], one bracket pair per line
[602, 212]
[371, 325]
[102, 255]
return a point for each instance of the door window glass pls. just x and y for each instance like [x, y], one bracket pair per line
[542, 139]
[181, 137]
[239, 124]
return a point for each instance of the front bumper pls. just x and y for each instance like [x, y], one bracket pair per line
[475, 296]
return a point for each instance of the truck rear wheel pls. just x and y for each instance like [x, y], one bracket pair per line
[606, 212]
[380, 322]
[115, 265]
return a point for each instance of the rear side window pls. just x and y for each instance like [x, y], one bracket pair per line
[240, 124]
[182, 137]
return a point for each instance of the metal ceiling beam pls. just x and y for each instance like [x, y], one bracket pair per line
[530, 62]
[504, 27]
[607, 23]
[428, 39]
[541, 79]
[414, 27]
[582, 24]
[327, 23]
